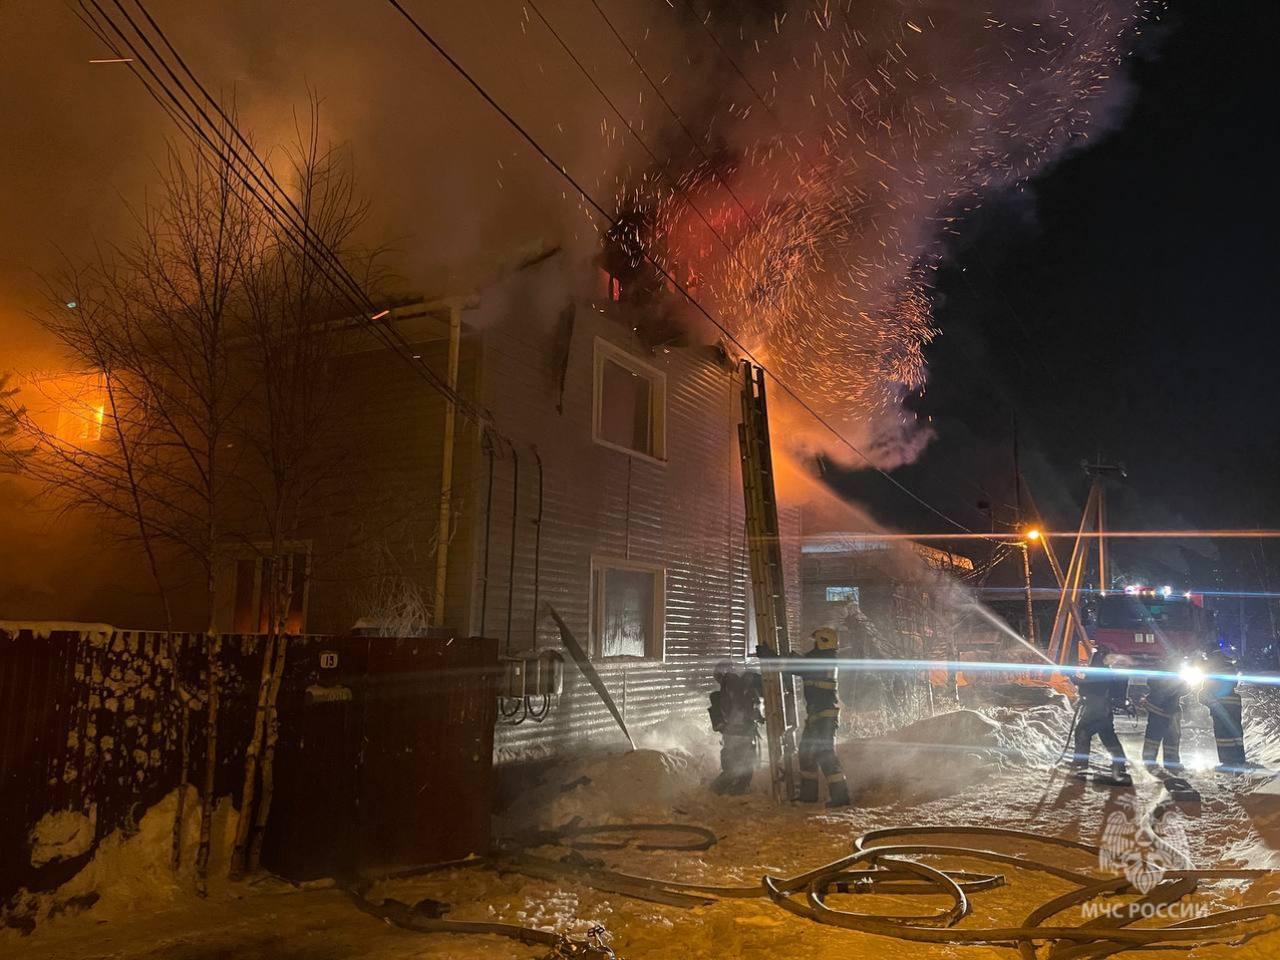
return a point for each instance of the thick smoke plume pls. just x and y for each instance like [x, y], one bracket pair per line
[810, 216]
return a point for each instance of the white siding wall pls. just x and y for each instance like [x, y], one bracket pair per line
[685, 515]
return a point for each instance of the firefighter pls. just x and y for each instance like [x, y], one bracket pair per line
[1164, 716]
[736, 715]
[822, 712]
[1099, 694]
[1221, 696]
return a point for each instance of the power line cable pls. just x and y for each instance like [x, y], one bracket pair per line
[679, 287]
[706, 28]
[226, 153]
[332, 268]
[661, 167]
[345, 282]
[635, 59]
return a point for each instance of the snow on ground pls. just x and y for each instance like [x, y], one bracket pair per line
[61, 835]
[989, 768]
[129, 873]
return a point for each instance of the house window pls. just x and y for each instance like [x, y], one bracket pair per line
[254, 576]
[630, 403]
[82, 408]
[627, 610]
[842, 594]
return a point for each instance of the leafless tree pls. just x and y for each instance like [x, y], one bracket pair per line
[12, 450]
[154, 320]
[294, 330]
[181, 294]
[103, 461]
[209, 342]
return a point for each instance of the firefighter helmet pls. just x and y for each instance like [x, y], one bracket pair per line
[824, 638]
[721, 670]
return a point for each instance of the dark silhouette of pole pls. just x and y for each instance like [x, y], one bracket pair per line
[1026, 547]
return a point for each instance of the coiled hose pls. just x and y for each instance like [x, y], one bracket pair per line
[877, 864]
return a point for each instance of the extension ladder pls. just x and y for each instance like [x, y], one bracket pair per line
[768, 584]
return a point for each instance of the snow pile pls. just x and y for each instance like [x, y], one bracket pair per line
[934, 757]
[637, 785]
[62, 835]
[130, 871]
[1035, 736]
[1020, 736]
[1262, 724]
[960, 728]
[691, 739]
[945, 754]
[44, 629]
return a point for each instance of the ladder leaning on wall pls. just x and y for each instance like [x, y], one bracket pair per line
[768, 584]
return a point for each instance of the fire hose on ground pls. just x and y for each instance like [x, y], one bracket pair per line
[882, 864]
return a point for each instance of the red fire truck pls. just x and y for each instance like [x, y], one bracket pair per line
[1147, 625]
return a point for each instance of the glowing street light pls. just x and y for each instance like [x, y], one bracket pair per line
[1033, 534]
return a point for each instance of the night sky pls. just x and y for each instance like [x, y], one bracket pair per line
[1121, 303]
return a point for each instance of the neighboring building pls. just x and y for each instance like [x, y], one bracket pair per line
[897, 587]
[1009, 603]
[888, 600]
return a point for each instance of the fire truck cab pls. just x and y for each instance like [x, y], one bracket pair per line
[1148, 625]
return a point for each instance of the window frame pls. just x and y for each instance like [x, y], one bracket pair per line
[606, 351]
[854, 594]
[656, 651]
[230, 557]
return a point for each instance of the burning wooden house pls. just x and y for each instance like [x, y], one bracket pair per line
[593, 473]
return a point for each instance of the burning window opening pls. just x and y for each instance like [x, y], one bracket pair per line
[251, 579]
[627, 274]
[82, 408]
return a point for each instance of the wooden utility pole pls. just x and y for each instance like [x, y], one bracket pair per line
[1026, 547]
[1099, 472]
[444, 519]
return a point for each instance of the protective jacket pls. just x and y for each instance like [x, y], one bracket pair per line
[819, 679]
[1100, 694]
[1222, 696]
[1164, 696]
[736, 706]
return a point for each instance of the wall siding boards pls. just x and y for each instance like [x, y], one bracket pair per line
[684, 515]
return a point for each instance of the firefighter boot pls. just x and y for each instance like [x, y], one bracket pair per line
[837, 791]
[808, 787]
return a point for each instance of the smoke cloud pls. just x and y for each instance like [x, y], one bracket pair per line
[875, 126]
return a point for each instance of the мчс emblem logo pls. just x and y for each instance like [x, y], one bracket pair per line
[1143, 848]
